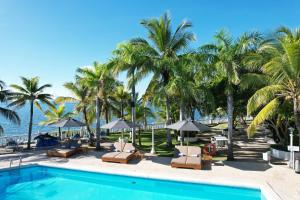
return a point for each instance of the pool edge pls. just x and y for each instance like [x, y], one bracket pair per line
[266, 189]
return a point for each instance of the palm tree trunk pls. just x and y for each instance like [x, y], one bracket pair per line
[59, 133]
[295, 110]
[145, 118]
[98, 130]
[140, 139]
[230, 155]
[122, 109]
[169, 138]
[133, 114]
[30, 125]
[86, 121]
[106, 119]
[181, 117]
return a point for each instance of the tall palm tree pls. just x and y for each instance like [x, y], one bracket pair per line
[282, 68]
[100, 78]
[164, 47]
[228, 55]
[8, 114]
[54, 114]
[130, 58]
[30, 92]
[82, 97]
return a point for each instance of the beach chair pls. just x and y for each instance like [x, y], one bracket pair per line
[67, 149]
[123, 153]
[187, 157]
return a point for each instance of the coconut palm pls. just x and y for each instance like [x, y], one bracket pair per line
[283, 70]
[120, 100]
[130, 58]
[8, 114]
[54, 114]
[30, 92]
[82, 97]
[100, 78]
[164, 47]
[227, 55]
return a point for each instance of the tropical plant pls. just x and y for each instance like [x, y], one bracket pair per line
[164, 48]
[227, 55]
[283, 71]
[55, 114]
[30, 92]
[120, 101]
[130, 58]
[84, 103]
[8, 114]
[100, 78]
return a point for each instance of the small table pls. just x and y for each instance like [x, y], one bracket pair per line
[220, 141]
[139, 154]
[207, 159]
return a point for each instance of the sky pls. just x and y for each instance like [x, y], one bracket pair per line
[52, 38]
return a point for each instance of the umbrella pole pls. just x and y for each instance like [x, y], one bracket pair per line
[152, 150]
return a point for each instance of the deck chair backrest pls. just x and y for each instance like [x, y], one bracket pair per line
[194, 151]
[128, 148]
[182, 150]
[119, 146]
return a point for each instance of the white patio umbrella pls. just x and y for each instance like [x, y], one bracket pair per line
[119, 124]
[188, 125]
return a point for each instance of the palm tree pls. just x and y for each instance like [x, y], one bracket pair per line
[82, 97]
[8, 114]
[228, 55]
[30, 92]
[282, 68]
[54, 114]
[164, 47]
[130, 58]
[100, 78]
[121, 99]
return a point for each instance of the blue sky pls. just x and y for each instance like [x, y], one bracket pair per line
[51, 39]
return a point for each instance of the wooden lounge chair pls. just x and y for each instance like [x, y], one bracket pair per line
[187, 157]
[123, 153]
[64, 153]
[68, 149]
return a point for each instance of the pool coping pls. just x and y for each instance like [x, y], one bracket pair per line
[266, 189]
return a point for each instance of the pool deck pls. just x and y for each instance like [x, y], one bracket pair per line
[274, 180]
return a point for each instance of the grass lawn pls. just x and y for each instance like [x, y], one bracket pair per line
[160, 143]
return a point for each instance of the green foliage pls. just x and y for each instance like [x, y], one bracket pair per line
[6, 113]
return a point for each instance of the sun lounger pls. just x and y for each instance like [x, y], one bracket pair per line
[68, 149]
[123, 153]
[64, 153]
[188, 157]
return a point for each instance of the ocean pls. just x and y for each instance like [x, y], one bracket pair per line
[38, 116]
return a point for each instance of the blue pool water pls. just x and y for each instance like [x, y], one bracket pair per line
[40, 183]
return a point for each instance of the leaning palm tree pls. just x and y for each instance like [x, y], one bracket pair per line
[82, 97]
[282, 68]
[54, 114]
[164, 47]
[100, 78]
[8, 114]
[30, 92]
[227, 55]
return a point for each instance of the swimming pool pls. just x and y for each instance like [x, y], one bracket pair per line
[40, 183]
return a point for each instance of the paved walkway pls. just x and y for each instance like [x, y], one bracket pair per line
[273, 177]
